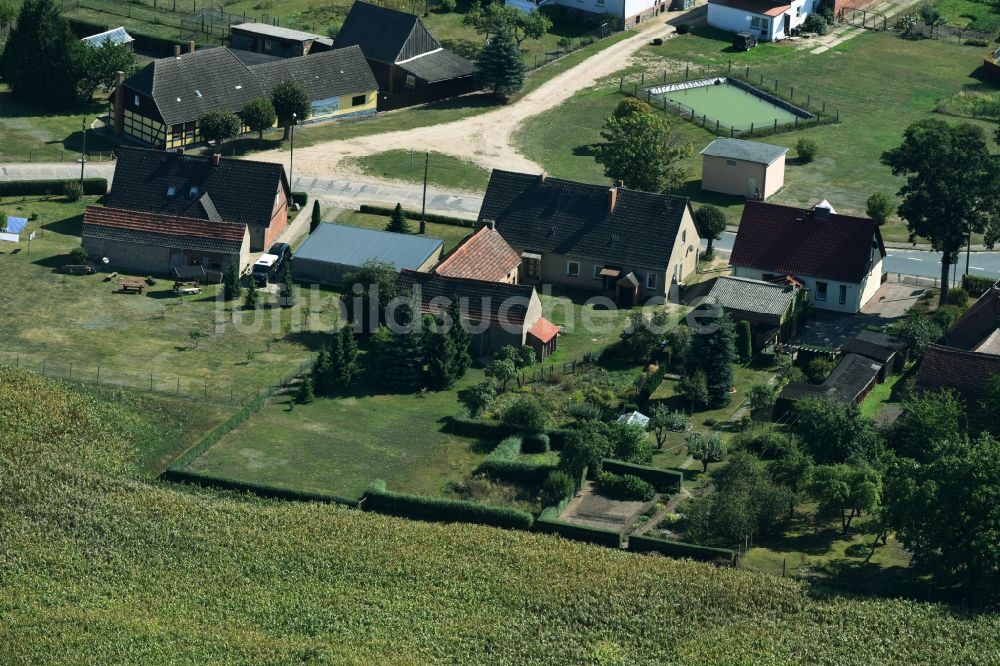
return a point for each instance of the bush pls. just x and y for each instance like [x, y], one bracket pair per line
[476, 428]
[526, 415]
[435, 509]
[958, 296]
[976, 285]
[579, 532]
[558, 486]
[218, 432]
[447, 6]
[413, 215]
[557, 438]
[79, 255]
[516, 471]
[536, 443]
[644, 544]
[15, 188]
[806, 150]
[663, 480]
[880, 207]
[819, 369]
[625, 487]
[816, 23]
[764, 444]
[946, 315]
[73, 190]
[300, 198]
[683, 28]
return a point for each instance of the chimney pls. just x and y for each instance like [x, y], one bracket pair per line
[541, 178]
[190, 46]
[490, 224]
[177, 50]
[612, 199]
[119, 120]
[215, 159]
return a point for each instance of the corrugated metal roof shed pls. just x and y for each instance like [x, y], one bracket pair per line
[752, 295]
[353, 246]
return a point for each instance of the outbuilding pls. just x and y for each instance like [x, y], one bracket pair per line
[744, 168]
[335, 249]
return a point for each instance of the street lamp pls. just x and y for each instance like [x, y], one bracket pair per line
[83, 151]
[291, 159]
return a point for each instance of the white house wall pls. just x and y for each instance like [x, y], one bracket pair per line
[852, 302]
[738, 20]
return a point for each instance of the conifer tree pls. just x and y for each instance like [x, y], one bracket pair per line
[713, 351]
[250, 301]
[501, 66]
[321, 372]
[350, 368]
[335, 369]
[461, 339]
[231, 286]
[305, 391]
[397, 221]
[440, 354]
[42, 61]
[316, 216]
[400, 363]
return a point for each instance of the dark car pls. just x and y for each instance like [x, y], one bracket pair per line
[744, 41]
[281, 250]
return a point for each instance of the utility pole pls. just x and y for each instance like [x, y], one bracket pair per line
[83, 151]
[291, 159]
[968, 252]
[423, 205]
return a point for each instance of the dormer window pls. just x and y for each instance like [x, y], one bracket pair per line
[171, 191]
[135, 100]
[197, 93]
[194, 191]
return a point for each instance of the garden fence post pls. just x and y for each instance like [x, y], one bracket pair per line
[838, 114]
[746, 75]
[43, 366]
[751, 129]
[71, 372]
[776, 124]
[98, 375]
[635, 89]
[178, 386]
[642, 79]
[151, 381]
[687, 70]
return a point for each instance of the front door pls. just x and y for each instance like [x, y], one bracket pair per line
[752, 191]
[788, 25]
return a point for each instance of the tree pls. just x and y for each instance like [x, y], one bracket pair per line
[585, 449]
[706, 448]
[291, 104]
[629, 443]
[397, 221]
[323, 371]
[523, 25]
[400, 361]
[984, 415]
[845, 491]
[947, 513]
[711, 222]
[478, 397]
[928, 419]
[231, 287]
[952, 187]
[631, 106]
[521, 357]
[250, 300]
[793, 471]
[807, 150]
[316, 217]
[196, 334]
[260, 116]
[694, 388]
[642, 151]
[7, 14]
[286, 293]
[99, 65]
[642, 337]
[305, 394]
[461, 339]
[439, 353]
[663, 420]
[370, 287]
[41, 61]
[761, 398]
[502, 370]
[526, 415]
[880, 207]
[500, 64]
[350, 367]
[917, 330]
[713, 350]
[834, 433]
[744, 341]
[219, 126]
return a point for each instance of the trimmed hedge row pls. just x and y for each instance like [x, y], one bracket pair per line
[643, 544]
[664, 480]
[517, 471]
[14, 188]
[300, 198]
[414, 215]
[557, 438]
[478, 428]
[440, 510]
[579, 532]
[268, 492]
[217, 433]
[977, 285]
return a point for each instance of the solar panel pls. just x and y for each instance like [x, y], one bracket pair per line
[16, 225]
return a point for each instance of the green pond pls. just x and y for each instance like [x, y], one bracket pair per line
[731, 106]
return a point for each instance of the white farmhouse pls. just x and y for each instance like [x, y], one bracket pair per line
[767, 21]
[630, 12]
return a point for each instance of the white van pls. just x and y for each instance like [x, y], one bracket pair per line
[264, 269]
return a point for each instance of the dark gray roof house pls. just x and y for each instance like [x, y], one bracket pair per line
[208, 188]
[322, 75]
[767, 306]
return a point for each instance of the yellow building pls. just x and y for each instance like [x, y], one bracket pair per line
[162, 104]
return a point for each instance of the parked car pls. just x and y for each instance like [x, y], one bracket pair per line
[281, 250]
[744, 41]
[264, 269]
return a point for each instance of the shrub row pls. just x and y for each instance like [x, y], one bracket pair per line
[663, 480]
[478, 428]
[579, 532]
[643, 544]
[217, 433]
[552, 512]
[625, 487]
[14, 188]
[269, 492]
[300, 198]
[557, 438]
[977, 285]
[377, 498]
[413, 215]
[517, 471]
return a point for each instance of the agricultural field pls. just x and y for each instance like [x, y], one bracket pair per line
[79, 327]
[142, 568]
[895, 92]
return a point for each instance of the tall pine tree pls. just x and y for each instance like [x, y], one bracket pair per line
[400, 362]
[335, 371]
[397, 221]
[713, 351]
[461, 339]
[231, 286]
[316, 217]
[350, 367]
[501, 66]
[42, 61]
[321, 372]
[440, 354]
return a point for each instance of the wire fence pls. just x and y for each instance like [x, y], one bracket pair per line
[51, 153]
[806, 108]
[132, 379]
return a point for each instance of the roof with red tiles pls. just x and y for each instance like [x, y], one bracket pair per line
[978, 325]
[761, 7]
[544, 330]
[965, 372]
[484, 255]
[163, 230]
[813, 242]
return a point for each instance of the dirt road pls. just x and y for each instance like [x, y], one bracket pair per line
[484, 139]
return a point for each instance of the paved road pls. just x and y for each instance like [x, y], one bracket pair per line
[912, 262]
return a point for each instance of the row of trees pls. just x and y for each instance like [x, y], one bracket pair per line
[289, 103]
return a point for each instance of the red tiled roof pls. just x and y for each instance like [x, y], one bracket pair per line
[544, 330]
[761, 7]
[965, 372]
[484, 255]
[977, 324]
[794, 241]
[163, 224]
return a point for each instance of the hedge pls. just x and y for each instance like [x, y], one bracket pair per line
[441, 510]
[300, 198]
[557, 438]
[626, 487]
[551, 513]
[478, 428]
[664, 480]
[516, 471]
[643, 544]
[269, 492]
[977, 285]
[413, 215]
[575, 532]
[217, 433]
[14, 188]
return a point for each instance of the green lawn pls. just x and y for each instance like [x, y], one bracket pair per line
[77, 325]
[875, 110]
[970, 14]
[442, 170]
[450, 234]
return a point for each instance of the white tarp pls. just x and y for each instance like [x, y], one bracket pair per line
[10, 238]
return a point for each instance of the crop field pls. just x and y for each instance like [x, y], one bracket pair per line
[99, 563]
[875, 109]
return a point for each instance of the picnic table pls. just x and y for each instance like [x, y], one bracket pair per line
[189, 290]
[131, 285]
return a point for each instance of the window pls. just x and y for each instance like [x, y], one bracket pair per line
[821, 291]
[532, 267]
[573, 268]
[597, 271]
[684, 236]
[600, 3]
[411, 82]
[650, 280]
[730, 162]
[843, 294]
[193, 192]
[358, 100]
[135, 100]
[171, 191]
[798, 12]
[760, 23]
